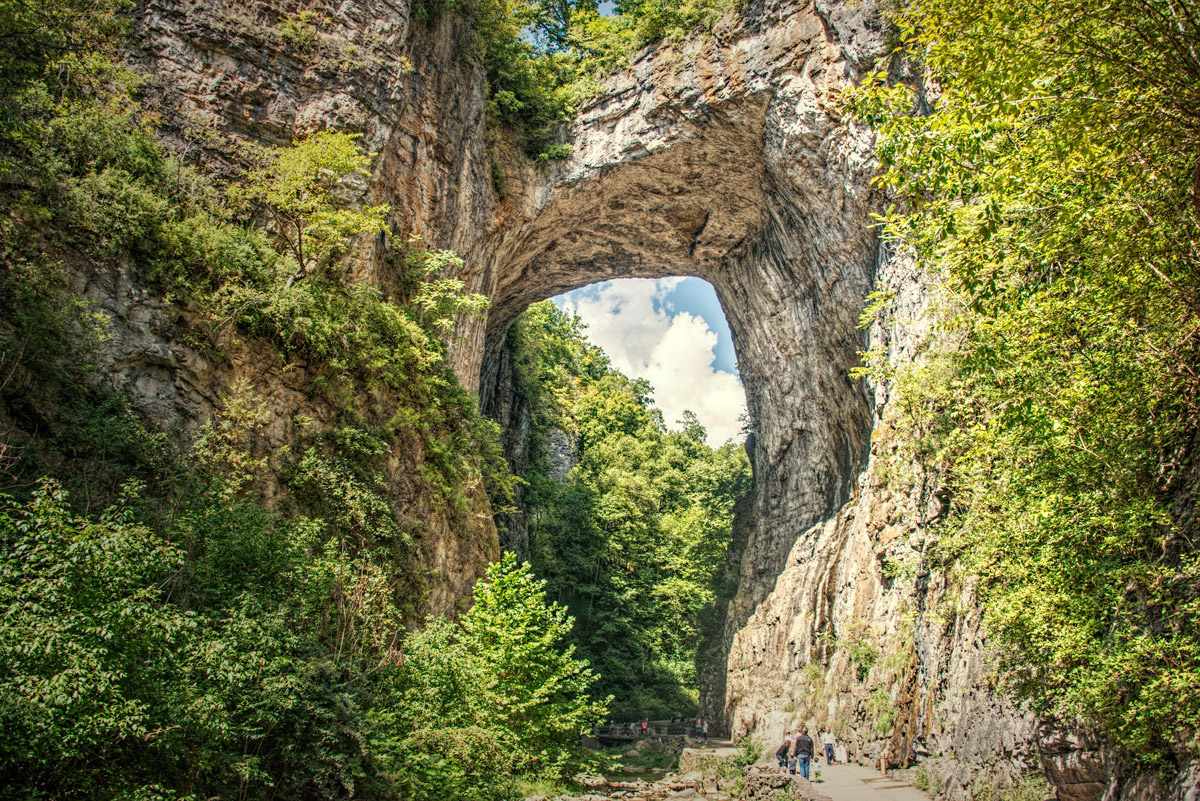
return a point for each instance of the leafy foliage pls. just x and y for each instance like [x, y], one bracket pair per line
[1051, 191]
[439, 299]
[139, 665]
[545, 57]
[750, 751]
[39, 36]
[168, 635]
[296, 184]
[863, 654]
[633, 540]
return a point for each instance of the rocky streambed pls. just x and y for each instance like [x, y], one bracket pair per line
[701, 774]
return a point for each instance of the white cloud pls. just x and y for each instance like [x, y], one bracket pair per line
[675, 354]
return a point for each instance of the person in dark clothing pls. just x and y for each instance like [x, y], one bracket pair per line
[781, 754]
[803, 750]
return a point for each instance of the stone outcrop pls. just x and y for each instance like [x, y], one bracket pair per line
[859, 635]
[724, 157]
[264, 73]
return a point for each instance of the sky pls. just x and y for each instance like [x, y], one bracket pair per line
[671, 332]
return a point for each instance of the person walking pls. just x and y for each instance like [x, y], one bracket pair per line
[645, 725]
[803, 749]
[827, 740]
[705, 732]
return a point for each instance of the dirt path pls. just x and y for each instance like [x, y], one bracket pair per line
[856, 783]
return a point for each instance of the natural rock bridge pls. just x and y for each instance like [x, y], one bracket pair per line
[725, 158]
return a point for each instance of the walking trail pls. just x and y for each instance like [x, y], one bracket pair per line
[856, 783]
[846, 782]
[761, 781]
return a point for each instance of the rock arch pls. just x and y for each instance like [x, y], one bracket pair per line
[723, 157]
[727, 159]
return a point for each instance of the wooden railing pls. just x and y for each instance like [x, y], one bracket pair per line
[656, 728]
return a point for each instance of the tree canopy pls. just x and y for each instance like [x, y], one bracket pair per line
[634, 540]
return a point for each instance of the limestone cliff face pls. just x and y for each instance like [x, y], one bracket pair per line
[728, 159]
[261, 73]
[723, 157]
[859, 634]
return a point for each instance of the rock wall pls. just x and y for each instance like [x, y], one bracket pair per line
[861, 635]
[509, 407]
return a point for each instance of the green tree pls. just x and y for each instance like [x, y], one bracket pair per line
[296, 185]
[39, 40]
[83, 620]
[633, 541]
[497, 694]
[541, 688]
[1051, 191]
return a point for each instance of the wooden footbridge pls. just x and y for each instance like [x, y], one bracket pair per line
[629, 732]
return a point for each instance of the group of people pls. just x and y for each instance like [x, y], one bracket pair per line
[700, 732]
[798, 753]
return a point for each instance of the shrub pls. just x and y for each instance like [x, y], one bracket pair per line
[300, 29]
[863, 655]
[749, 751]
[296, 185]
[556, 153]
